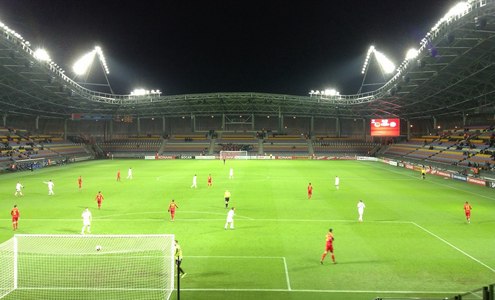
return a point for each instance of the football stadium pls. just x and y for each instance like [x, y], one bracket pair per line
[388, 193]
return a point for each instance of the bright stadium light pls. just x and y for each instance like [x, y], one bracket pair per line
[458, 9]
[368, 55]
[324, 93]
[386, 64]
[143, 92]
[411, 54]
[41, 55]
[102, 59]
[82, 65]
[331, 92]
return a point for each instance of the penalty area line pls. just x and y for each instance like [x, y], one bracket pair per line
[287, 274]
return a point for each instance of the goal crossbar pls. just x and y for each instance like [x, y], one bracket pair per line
[233, 154]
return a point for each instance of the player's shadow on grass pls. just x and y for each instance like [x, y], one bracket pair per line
[212, 274]
[68, 231]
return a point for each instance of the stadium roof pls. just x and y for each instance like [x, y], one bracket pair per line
[452, 74]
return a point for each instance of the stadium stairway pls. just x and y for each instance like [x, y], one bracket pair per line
[311, 150]
[162, 146]
[211, 150]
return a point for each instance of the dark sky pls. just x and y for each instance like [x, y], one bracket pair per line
[180, 47]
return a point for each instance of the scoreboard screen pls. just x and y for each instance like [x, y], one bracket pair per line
[385, 127]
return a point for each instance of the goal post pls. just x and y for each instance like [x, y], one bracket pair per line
[99, 267]
[233, 154]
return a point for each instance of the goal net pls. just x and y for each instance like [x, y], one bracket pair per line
[87, 267]
[233, 154]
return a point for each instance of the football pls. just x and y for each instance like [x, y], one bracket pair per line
[98, 248]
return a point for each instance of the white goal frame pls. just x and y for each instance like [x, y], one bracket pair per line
[241, 154]
[115, 247]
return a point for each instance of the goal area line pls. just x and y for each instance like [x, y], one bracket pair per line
[317, 291]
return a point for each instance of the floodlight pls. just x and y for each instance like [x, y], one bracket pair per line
[102, 58]
[142, 92]
[331, 92]
[82, 65]
[411, 54]
[41, 55]
[138, 92]
[385, 63]
[458, 9]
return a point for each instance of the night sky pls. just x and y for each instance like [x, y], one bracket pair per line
[183, 47]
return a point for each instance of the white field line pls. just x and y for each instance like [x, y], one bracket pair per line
[317, 291]
[287, 274]
[166, 215]
[437, 183]
[206, 220]
[242, 290]
[454, 247]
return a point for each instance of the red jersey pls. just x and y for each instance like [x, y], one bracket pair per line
[329, 238]
[310, 189]
[79, 181]
[15, 213]
[172, 206]
[209, 180]
[467, 210]
[99, 198]
[118, 174]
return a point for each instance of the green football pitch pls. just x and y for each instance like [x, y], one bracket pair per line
[414, 241]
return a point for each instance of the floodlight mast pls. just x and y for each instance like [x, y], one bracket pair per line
[84, 65]
[385, 64]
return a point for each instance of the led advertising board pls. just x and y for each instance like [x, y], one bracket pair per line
[385, 127]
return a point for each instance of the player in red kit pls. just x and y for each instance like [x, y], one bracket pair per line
[15, 216]
[467, 211]
[118, 175]
[310, 190]
[171, 209]
[99, 199]
[209, 180]
[79, 182]
[328, 246]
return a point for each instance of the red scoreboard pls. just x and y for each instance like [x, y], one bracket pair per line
[385, 127]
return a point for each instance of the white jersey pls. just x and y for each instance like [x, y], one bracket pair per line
[230, 216]
[18, 187]
[337, 180]
[86, 216]
[50, 185]
[361, 207]
[194, 180]
[231, 174]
